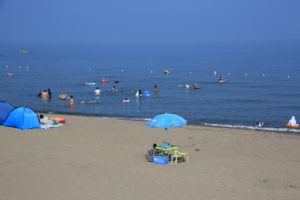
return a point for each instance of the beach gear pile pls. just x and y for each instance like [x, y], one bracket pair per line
[166, 153]
[159, 155]
[21, 117]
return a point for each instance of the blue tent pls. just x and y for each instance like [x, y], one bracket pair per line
[22, 118]
[5, 108]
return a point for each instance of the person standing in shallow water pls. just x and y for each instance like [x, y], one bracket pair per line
[44, 94]
[156, 87]
[71, 103]
[49, 92]
[97, 91]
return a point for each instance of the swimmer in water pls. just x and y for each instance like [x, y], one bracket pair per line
[126, 100]
[113, 88]
[97, 91]
[195, 86]
[44, 94]
[221, 80]
[186, 86]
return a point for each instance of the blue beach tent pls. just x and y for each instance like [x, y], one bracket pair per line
[22, 118]
[5, 109]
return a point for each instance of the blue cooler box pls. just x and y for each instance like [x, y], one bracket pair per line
[163, 160]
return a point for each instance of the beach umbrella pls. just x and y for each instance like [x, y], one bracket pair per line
[166, 120]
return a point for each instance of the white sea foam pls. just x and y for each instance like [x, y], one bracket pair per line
[287, 130]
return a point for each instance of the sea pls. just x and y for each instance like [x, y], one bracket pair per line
[262, 80]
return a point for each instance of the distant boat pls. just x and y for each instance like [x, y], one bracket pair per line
[24, 51]
[166, 72]
[9, 74]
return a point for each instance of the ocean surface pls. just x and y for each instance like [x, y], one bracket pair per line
[262, 81]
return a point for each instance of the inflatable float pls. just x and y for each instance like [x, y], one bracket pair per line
[292, 126]
[58, 119]
[104, 80]
[63, 96]
[146, 93]
[92, 83]
[126, 100]
[9, 74]
[84, 102]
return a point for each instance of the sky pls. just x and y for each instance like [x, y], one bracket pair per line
[129, 21]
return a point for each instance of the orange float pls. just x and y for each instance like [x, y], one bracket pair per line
[292, 126]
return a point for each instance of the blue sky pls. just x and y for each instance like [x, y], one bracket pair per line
[105, 21]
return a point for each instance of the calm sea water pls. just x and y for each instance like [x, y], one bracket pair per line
[263, 81]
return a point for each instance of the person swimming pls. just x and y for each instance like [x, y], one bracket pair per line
[195, 86]
[126, 100]
[186, 86]
[113, 88]
[221, 79]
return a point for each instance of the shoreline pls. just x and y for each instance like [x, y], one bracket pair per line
[237, 127]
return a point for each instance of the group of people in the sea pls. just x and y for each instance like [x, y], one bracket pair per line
[259, 124]
[196, 86]
[138, 93]
[47, 94]
[291, 124]
[192, 86]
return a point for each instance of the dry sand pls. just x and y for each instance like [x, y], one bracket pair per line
[93, 158]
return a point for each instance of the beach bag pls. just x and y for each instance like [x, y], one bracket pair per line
[151, 153]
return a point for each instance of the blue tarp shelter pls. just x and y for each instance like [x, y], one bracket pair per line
[5, 109]
[22, 118]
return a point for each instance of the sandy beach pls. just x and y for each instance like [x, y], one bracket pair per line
[96, 158]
